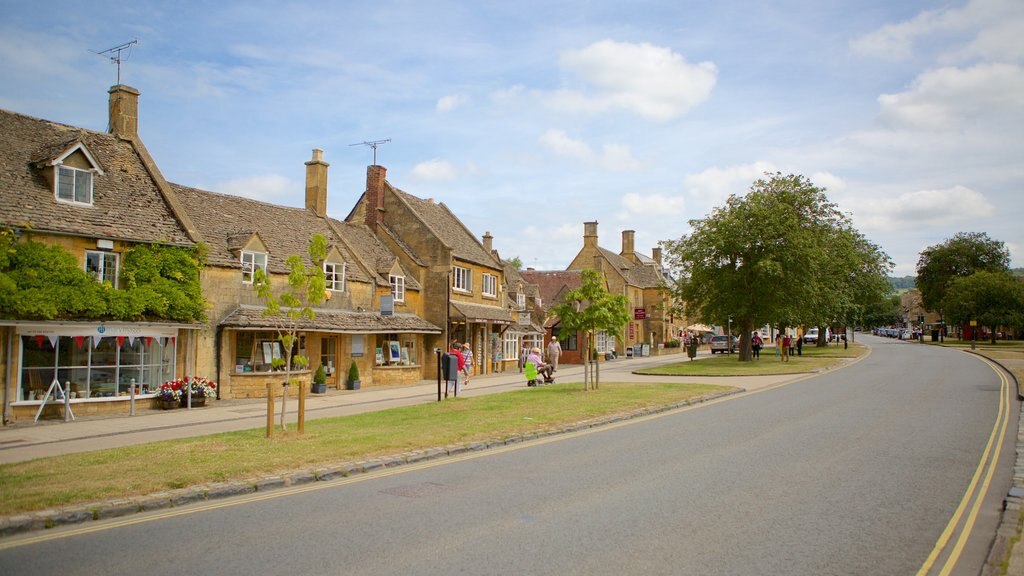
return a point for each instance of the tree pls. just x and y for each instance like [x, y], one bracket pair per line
[591, 308]
[960, 256]
[765, 258]
[992, 298]
[293, 306]
[516, 262]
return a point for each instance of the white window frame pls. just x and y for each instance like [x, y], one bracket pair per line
[462, 279]
[75, 179]
[250, 261]
[489, 286]
[397, 287]
[521, 301]
[604, 341]
[335, 280]
[102, 262]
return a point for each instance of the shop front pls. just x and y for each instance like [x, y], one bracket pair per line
[103, 366]
[485, 328]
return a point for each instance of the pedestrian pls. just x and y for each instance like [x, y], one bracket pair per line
[787, 343]
[755, 345]
[778, 345]
[800, 346]
[467, 362]
[554, 351]
[455, 350]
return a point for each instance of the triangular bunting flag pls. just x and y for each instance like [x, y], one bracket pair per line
[53, 340]
[79, 340]
[96, 340]
[39, 340]
[120, 341]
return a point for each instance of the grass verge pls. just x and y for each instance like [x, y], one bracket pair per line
[149, 468]
[813, 359]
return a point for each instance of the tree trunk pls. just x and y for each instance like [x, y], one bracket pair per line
[746, 339]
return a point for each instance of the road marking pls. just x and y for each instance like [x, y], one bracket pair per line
[974, 491]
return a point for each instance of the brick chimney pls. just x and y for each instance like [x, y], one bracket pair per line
[627, 243]
[124, 111]
[488, 241]
[375, 182]
[316, 184]
[656, 254]
[590, 234]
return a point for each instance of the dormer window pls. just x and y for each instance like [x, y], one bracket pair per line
[334, 275]
[251, 261]
[74, 185]
[397, 287]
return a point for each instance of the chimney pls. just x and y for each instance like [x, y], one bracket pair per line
[627, 243]
[488, 241]
[375, 180]
[316, 184]
[656, 254]
[124, 112]
[590, 234]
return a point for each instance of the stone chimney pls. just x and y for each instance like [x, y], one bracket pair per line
[627, 243]
[488, 242]
[590, 234]
[656, 254]
[124, 112]
[316, 184]
[375, 183]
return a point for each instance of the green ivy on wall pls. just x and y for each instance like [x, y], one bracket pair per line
[44, 282]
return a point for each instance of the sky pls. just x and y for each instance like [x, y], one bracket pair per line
[529, 118]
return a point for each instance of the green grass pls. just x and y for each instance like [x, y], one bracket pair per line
[150, 468]
[813, 359]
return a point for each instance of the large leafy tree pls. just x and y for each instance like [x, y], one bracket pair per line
[591, 308]
[960, 256]
[992, 298]
[765, 258]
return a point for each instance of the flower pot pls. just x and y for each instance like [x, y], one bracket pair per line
[197, 401]
[167, 404]
[353, 385]
[319, 388]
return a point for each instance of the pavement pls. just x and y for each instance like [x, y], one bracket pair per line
[25, 440]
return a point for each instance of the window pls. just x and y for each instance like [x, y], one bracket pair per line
[521, 301]
[490, 285]
[328, 348]
[398, 288]
[510, 348]
[105, 369]
[250, 262]
[74, 185]
[335, 276]
[605, 342]
[462, 279]
[102, 266]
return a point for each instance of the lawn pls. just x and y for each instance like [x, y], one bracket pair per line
[151, 468]
[813, 359]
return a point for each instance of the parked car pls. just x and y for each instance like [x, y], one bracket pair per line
[811, 336]
[722, 344]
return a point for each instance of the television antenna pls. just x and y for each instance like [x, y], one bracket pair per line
[115, 55]
[373, 144]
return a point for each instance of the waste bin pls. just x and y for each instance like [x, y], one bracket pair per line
[935, 335]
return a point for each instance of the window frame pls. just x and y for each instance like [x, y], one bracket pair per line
[397, 287]
[74, 175]
[100, 273]
[331, 278]
[489, 285]
[462, 279]
[249, 268]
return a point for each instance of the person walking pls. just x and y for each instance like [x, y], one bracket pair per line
[755, 345]
[467, 362]
[554, 351]
[787, 342]
[456, 350]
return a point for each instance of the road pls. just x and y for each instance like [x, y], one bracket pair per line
[857, 471]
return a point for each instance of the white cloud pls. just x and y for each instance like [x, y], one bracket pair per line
[648, 80]
[451, 102]
[269, 188]
[712, 186]
[659, 205]
[895, 41]
[945, 98]
[434, 170]
[612, 157]
[922, 208]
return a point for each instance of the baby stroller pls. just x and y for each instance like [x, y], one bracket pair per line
[532, 375]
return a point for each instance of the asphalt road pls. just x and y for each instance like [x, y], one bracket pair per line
[857, 471]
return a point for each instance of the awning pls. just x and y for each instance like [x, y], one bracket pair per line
[699, 328]
[334, 321]
[480, 313]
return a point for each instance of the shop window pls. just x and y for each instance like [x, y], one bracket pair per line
[396, 350]
[256, 351]
[510, 346]
[108, 368]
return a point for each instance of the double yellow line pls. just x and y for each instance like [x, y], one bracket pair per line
[976, 490]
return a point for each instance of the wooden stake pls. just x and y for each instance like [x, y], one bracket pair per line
[270, 410]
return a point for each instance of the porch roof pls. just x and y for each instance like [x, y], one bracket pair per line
[335, 321]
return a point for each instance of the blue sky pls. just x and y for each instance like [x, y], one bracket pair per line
[530, 118]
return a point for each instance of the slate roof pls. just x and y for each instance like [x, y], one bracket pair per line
[227, 222]
[639, 275]
[449, 229]
[335, 321]
[127, 204]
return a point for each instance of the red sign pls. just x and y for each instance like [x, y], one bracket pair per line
[632, 333]
[639, 313]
